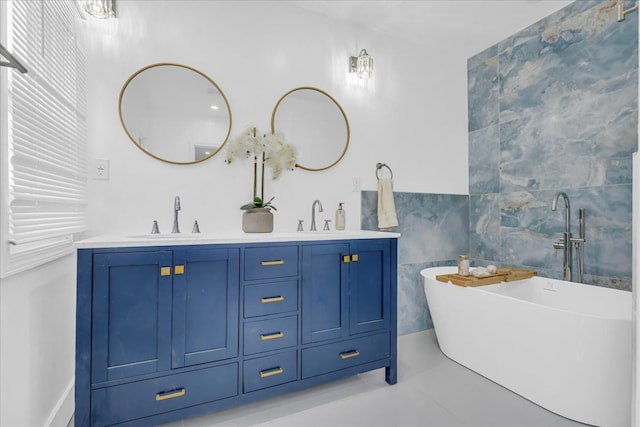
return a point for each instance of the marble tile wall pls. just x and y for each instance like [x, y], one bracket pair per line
[434, 231]
[555, 108]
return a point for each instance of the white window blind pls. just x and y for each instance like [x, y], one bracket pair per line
[46, 123]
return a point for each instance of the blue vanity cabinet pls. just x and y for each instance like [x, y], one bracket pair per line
[271, 317]
[325, 291]
[153, 311]
[171, 331]
[164, 329]
[345, 289]
[131, 327]
[369, 286]
[205, 306]
[347, 296]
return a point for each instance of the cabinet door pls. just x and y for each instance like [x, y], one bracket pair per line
[131, 329]
[325, 287]
[205, 306]
[370, 286]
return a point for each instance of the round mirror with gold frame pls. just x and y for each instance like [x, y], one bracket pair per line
[175, 113]
[312, 120]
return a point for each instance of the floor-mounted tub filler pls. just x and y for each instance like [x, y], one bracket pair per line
[565, 346]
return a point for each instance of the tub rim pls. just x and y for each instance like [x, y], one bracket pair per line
[508, 297]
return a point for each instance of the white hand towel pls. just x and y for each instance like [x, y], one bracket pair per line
[387, 217]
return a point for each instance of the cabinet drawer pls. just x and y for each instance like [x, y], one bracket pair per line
[270, 262]
[332, 357]
[140, 399]
[273, 334]
[271, 298]
[269, 371]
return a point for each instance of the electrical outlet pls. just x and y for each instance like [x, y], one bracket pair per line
[101, 169]
[356, 184]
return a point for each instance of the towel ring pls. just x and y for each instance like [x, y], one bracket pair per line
[380, 166]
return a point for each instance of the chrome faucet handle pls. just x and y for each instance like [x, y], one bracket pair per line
[196, 227]
[155, 229]
[300, 221]
[326, 225]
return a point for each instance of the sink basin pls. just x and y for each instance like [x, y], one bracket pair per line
[165, 236]
[323, 234]
[329, 232]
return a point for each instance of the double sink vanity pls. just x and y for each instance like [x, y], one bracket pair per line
[170, 327]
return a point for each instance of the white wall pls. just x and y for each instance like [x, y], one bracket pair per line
[412, 116]
[37, 331]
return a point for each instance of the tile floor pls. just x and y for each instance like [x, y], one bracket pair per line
[432, 391]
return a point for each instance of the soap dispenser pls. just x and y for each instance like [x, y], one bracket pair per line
[341, 217]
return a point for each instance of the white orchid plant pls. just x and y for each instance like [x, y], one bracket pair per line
[266, 150]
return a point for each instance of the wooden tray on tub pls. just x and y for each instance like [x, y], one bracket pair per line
[506, 274]
[513, 274]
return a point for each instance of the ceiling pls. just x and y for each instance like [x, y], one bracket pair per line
[477, 24]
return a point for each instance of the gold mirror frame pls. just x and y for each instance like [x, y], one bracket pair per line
[159, 64]
[346, 121]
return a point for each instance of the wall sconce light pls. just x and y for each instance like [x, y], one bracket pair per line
[102, 9]
[362, 64]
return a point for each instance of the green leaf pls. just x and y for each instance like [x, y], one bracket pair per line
[258, 203]
[248, 206]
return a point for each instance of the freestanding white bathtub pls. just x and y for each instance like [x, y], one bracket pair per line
[562, 345]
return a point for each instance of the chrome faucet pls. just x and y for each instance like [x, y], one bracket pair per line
[579, 242]
[176, 208]
[568, 241]
[565, 243]
[313, 214]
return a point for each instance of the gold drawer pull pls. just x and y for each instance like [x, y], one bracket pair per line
[346, 259]
[266, 337]
[178, 269]
[271, 372]
[165, 271]
[265, 300]
[277, 262]
[354, 257]
[171, 394]
[349, 354]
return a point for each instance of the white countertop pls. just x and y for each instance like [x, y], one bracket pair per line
[137, 240]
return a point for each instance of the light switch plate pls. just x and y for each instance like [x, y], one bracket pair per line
[356, 184]
[101, 169]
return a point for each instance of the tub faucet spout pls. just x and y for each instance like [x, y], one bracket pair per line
[566, 242]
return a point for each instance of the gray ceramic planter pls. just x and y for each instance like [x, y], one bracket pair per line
[257, 220]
